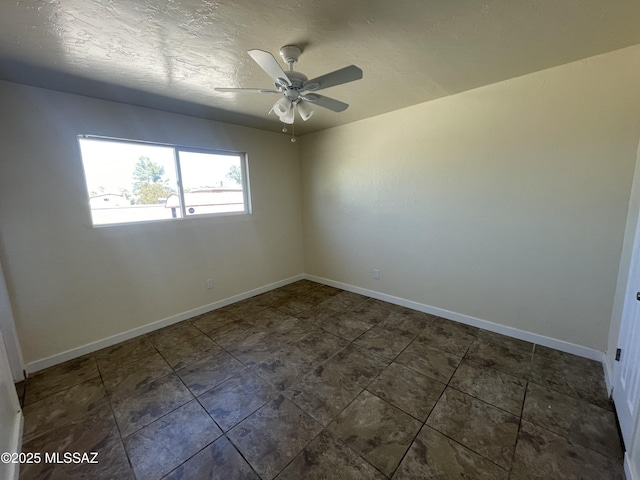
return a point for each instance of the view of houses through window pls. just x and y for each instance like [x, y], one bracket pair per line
[139, 182]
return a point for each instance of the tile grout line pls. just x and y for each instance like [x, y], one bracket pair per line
[303, 449]
[294, 457]
[424, 423]
[223, 434]
[453, 439]
[574, 443]
[22, 407]
[482, 401]
[115, 421]
[109, 397]
[521, 417]
[68, 387]
[450, 438]
[325, 428]
[357, 453]
[241, 455]
[515, 446]
[168, 413]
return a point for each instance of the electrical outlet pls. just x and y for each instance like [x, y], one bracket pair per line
[209, 284]
[376, 274]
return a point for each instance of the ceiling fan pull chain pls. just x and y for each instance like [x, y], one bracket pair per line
[284, 127]
[293, 134]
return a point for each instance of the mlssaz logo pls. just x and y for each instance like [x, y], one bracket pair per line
[71, 457]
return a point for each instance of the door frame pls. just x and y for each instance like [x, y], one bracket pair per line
[630, 308]
[625, 304]
[8, 328]
[12, 418]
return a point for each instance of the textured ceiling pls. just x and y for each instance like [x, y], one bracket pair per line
[171, 54]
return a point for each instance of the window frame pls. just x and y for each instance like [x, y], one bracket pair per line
[244, 169]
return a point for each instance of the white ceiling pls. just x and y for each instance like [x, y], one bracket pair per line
[171, 54]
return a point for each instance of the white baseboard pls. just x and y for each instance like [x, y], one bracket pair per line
[629, 469]
[33, 367]
[561, 345]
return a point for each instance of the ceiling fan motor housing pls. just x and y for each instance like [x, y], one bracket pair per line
[297, 80]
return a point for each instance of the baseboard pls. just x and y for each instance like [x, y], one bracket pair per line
[33, 367]
[561, 345]
[629, 469]
[538, 339]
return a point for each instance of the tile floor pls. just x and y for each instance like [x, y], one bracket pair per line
[312, 382]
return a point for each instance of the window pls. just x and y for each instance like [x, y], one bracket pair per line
[131, 181]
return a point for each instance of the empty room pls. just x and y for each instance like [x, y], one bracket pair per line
[320, 240]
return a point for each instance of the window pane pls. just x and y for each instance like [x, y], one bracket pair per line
[129, 182]
[212, 182]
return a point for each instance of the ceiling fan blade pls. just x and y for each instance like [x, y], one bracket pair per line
[344, 75]
[256, 90]
[326, 102]
[269, 64]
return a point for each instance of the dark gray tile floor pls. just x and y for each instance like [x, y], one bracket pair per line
[312, 382]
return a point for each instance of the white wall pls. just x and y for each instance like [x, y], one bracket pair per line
[506, 203]
[72, 284]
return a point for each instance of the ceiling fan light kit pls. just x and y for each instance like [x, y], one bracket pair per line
[294, 86]
[304, 110]
[284, 109]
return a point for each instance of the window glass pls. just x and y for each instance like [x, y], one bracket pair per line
[139, 182]
[212, 183]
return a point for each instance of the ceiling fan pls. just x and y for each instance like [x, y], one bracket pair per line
[298, 92]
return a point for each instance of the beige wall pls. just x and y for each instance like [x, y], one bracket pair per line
[72, 284]
[506, 203]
